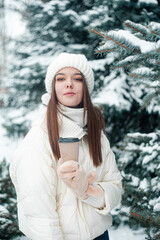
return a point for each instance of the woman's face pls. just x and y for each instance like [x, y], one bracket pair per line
[69, 86]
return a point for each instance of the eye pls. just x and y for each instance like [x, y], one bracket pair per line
[59, 79]
[78, 79]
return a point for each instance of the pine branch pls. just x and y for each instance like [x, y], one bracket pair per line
[141, 218]
[98, 33]
[128, 61]
[145, 72]
[136, 53]
[114, 41]
[154, 32]
[150, 98]
[143, 76]
[150, 59]
[144, 215]
[149, 32]
[136, 27]
[108, 50]
[155, 29]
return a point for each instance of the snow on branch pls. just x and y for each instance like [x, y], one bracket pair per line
[152, 28]
[138, 52]
[135, 27]
[144, 72]
[117, 40]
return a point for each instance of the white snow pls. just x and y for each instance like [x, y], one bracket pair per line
[143, 71]
[157, 207]
[7, 145]
[153, 136]
[99, 64]
[155, 183]
[135, 180]
[150, 157]
[113, 92]
[3, 209]
[145, 46]
[155, 203]
[143, 184]
[77, 46]
[14, 24]
[102, 16]
[154, 25]
[148, 1]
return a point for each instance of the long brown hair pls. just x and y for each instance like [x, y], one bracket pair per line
[95, 123]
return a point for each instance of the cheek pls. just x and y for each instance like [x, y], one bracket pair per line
[81, 91]
[57, 90]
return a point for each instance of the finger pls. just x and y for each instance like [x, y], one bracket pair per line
[92, 176]
[70, 175]
[69, 166]
[94, 191]
[65, 174]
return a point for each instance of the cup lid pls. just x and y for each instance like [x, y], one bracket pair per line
[68, 140]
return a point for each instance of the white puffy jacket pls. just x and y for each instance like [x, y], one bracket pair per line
[47, 208]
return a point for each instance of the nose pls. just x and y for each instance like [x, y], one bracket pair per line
[69, 83]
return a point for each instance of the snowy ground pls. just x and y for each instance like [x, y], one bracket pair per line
[122, 233]
[125, 233]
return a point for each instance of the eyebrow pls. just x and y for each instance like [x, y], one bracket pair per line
[65, 74]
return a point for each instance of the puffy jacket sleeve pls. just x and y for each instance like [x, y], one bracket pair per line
[33, 174]
[110, 181]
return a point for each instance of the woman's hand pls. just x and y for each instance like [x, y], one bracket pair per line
[74, 176]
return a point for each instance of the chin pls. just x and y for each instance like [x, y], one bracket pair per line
[72, 105]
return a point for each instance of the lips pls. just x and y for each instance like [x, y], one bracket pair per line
[69, 93]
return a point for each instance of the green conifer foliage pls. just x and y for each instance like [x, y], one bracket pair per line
[138, 54]
[142, 181]
[8, 208]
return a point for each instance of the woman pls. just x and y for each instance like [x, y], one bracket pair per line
[70, 200]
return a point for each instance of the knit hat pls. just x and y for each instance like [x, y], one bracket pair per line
[78, 61]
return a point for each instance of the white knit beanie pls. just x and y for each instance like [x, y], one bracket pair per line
[78, 61]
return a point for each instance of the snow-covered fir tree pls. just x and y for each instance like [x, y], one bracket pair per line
[55, 26]
[8, 212]
[65, 27]
[142, 188]
[138, 54]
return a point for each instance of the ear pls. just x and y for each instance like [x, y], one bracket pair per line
[92, 176]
